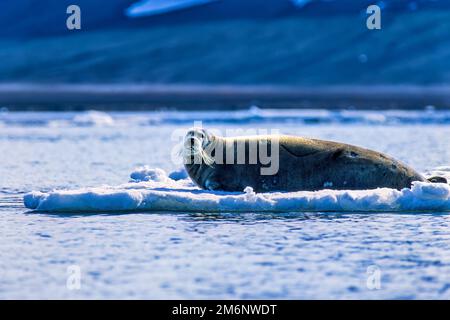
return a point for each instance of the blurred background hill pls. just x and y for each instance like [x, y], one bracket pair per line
[237, 42]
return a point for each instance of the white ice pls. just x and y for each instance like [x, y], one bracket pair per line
[155, 190]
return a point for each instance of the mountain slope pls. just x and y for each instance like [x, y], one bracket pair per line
[297, 50]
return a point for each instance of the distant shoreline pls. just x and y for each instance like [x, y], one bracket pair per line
[141, 97]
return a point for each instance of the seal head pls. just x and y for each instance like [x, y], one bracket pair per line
[197, 157]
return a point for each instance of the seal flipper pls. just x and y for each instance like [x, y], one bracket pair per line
[212, 185]
[437, 180]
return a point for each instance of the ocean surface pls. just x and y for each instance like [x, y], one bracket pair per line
[117, 219]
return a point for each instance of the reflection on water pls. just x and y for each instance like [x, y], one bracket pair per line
[258, 216]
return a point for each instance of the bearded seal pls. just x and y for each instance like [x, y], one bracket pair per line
[303, 164]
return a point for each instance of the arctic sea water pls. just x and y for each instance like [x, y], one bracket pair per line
[186, 243]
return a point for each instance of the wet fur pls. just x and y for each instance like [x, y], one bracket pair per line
[305, 164]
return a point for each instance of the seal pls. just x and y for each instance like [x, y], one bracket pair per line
[301, 164]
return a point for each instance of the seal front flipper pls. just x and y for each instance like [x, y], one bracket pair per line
[212, 185]
[437, 180]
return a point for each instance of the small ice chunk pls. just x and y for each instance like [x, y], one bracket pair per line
[250, 195]
[146, 173]
[31, 200]
[93, 118]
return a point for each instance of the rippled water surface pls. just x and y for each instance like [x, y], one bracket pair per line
[200, 255]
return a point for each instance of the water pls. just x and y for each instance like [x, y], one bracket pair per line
[210, 255]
